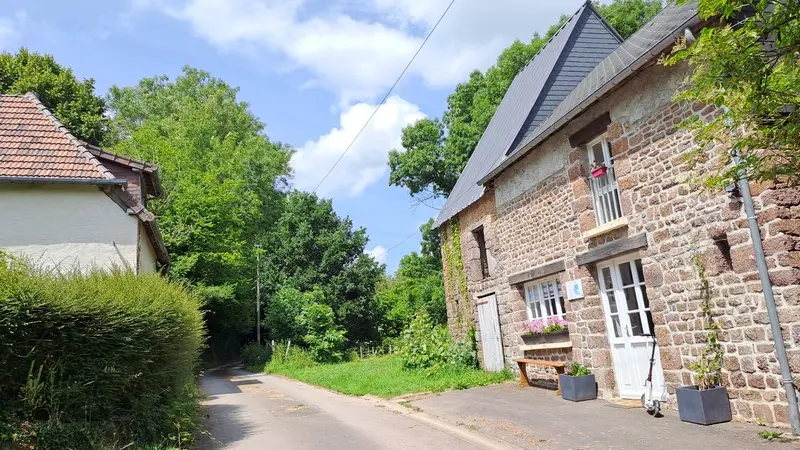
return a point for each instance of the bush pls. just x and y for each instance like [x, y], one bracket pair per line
[325, 340]
[114, 353]
[256, 356]
[424, 345]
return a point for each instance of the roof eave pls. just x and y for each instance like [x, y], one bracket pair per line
[46, 180]
[605, 89]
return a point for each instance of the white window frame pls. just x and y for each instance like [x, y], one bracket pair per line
[605, 193]
[537, 300]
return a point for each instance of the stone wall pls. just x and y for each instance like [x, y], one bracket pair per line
[543, 220]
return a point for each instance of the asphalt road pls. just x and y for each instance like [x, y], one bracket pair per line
[267, 412]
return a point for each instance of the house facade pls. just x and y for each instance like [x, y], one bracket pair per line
[66, 204]
[615, 252]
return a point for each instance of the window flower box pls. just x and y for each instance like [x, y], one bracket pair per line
[550, 331]
[599, 171]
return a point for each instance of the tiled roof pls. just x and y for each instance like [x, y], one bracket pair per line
[34, 144]
[582, 42]
[639, 49]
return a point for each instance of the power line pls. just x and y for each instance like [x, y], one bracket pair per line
[397, 245]
[375, 111]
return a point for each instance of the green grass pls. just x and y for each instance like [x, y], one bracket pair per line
[385, 377]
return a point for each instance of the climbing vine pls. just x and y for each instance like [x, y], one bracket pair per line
[708, 367]
[455, 268]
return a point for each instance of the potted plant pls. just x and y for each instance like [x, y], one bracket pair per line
[577, 383]
[706, 402]
[541, 331]
[598, 169]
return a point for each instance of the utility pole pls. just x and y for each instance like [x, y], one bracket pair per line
[258, 297]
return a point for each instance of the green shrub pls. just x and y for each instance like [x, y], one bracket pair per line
[424, 345]
[256, 356]
[326, 341]
[114, 353]
[289, 355]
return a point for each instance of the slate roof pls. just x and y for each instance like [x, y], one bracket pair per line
[34, 144]
[639, 49]
[582, 42]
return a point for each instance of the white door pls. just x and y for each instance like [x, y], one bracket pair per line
[490, 334]
[628, 320]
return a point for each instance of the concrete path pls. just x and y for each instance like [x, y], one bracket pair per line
[267, 412]
[537, 418]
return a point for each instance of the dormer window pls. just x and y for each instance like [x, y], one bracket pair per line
[603, 182]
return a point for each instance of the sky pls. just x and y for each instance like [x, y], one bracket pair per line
[311, 70]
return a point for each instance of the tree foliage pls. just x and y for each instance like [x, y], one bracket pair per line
[417, 286]
[435, 150]
[310, 247]
[222, 176]
[72, 102]
[747, 67]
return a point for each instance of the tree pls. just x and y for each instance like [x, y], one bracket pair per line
[418, 285]
[627, 16]
[748, 68]
[436, 150]
[310, 247]
[222, 177]
[72, 102]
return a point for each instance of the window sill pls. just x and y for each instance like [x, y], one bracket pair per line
[622, 222]
[546, 346]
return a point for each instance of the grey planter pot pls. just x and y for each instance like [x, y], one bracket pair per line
[703, 407]
[578, 389]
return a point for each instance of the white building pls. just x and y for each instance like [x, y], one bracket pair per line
[66, 204]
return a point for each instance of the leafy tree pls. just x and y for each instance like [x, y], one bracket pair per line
[326, 340]
[73, 102]
[418, 285]
[223, 179]
[310, 247]
[748, 67]
[627, 16]
[436, 150]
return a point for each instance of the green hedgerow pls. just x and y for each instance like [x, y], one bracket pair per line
[115, 353]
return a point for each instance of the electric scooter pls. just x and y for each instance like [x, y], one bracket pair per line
[651, 404]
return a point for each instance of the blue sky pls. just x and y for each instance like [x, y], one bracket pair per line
[311, 70]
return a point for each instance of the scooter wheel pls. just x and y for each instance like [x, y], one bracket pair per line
[656, 408]
[643, 403]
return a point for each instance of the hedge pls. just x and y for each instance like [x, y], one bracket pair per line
[113, 354]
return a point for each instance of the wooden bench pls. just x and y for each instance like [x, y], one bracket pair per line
[523, 374]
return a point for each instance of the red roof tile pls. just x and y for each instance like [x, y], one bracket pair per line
[34, 144]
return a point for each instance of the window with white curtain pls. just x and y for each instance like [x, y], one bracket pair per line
[544, 299]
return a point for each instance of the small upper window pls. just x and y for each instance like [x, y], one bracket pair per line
[603, 182]
[479, 238]
[544, 299]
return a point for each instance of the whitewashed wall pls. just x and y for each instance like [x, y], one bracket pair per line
[147, 254]
[64, 226]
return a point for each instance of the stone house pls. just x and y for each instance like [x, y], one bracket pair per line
[66, 204]
[614, 252]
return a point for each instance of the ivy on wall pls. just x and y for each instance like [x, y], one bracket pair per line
[455, 269]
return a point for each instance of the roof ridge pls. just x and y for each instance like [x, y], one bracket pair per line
[103, 153]
[73, 140]
[605, 22]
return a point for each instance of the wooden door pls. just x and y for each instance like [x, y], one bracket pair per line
[491, 342]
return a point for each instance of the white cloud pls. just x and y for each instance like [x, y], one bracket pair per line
[365, 162]
[378, 253]
[355, 55]
[10, 29]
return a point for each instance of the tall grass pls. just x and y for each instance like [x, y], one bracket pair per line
[111, 354]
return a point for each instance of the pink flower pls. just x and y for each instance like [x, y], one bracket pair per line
[534, 326]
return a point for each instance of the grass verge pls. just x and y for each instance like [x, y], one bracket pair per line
[384, 376]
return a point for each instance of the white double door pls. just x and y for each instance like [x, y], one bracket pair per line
[628, 320]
